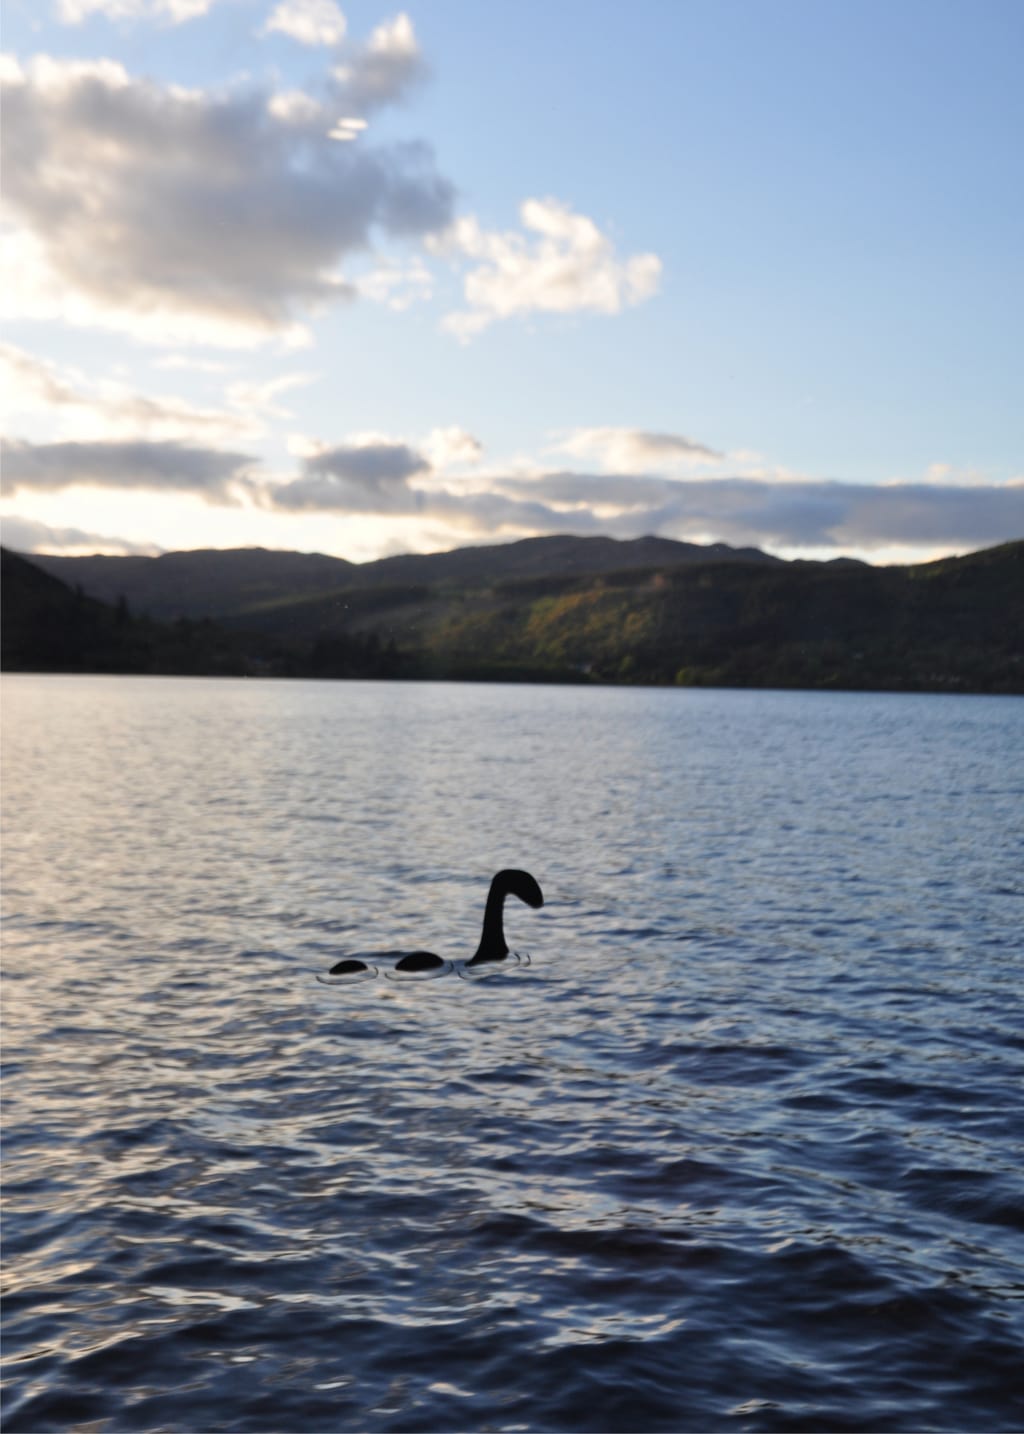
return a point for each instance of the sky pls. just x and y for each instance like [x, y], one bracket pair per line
[362, 280]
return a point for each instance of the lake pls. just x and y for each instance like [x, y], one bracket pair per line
[738, 1147]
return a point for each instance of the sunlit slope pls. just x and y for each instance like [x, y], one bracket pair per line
[955, 624]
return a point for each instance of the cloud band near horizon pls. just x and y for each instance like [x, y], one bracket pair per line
[394, 479]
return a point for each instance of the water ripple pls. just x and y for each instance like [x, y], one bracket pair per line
[739, 1148]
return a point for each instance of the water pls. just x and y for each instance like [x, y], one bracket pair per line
[741, 1147]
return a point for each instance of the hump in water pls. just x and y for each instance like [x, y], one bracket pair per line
[418, 961]
[348, 967]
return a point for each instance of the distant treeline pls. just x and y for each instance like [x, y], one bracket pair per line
[741, 621]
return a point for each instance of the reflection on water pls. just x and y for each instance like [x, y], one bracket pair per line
[740, 1146]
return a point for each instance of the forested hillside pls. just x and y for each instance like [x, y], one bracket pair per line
[673, 618]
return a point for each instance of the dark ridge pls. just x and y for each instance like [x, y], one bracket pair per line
[235, 582]
[49, 627]
[556, 555]
[206, 582]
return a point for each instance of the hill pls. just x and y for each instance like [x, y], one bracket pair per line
[955, 625]
[503, 614]
[49, 627]
[229, 582]
[198, 584]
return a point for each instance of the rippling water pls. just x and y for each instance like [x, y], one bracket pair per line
[740, 1147]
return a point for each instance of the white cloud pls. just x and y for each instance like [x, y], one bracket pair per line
[447, 447]
[947, 473]
[259, 400]
[183, 215]
[191, 363]
[394, 38]
[296, 107]
[171, 12]
[84, 408]
[631, 450]
[397, 285]
[347, 130]
[175, 12]
[32, 383]
[311, 22]
[570, 267]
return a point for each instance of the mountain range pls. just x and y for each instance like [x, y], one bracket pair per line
[220, 583]
[551, 609]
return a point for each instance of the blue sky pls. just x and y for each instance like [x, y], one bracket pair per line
[361, 280]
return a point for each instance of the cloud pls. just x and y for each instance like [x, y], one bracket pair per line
[745, 511]
[33, 382]
[174, 12]
[369, 463]
[311, 22]
[212, 473]
[359, 477]
[570, 267]
[628, 450]
[399, 286]
[383, 71]
[187, 215]
[447, 446]
[25, 535]
[259, 400]
[296, 107]
[823, 516]
[366, 77]
[191, 363]
[347, 130]
[92, 408]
